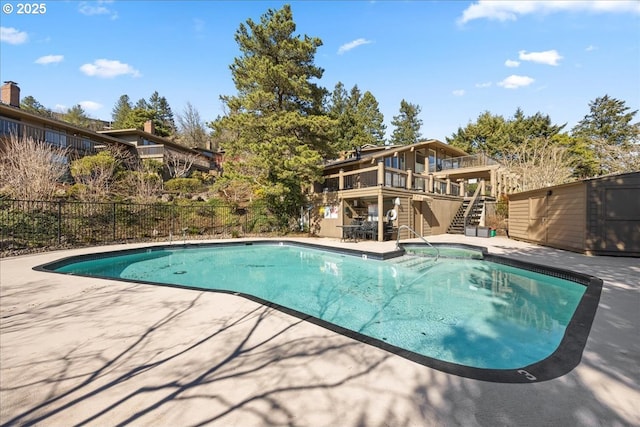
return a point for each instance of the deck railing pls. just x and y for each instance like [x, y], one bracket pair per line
[388, 177]
[470, 161]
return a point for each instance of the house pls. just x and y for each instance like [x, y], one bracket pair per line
[598, 216]
[216, 157]
[423, 186]
[177, 159]
[78, 140]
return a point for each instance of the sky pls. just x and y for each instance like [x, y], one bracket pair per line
[454, 59]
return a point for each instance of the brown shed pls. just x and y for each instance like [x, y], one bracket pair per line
[599, 216]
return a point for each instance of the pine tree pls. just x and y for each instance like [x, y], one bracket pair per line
[608, 133]
[120, 112]
[407, 124]
[31, 105]
[163, 117]
[77, 116]
[340, 111]
[488, 134]
[277, 120]
[358, 117]
[369, 121]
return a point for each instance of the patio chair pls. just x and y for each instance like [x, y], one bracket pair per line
[369, 230]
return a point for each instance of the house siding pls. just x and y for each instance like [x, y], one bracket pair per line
[613, 214]
[519, 218]
[600, 216]
[566, 218]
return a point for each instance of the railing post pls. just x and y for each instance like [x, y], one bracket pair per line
[448, 189]
[430, 187]
[409, 179]
[380, 173]
[494, 184]
[341, 179]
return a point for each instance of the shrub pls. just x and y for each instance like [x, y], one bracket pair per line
[183, 185]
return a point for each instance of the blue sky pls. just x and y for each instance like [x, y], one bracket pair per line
[455, 59]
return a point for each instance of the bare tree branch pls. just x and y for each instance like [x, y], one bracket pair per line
[539, 163]
[31, 169]
[179, 163]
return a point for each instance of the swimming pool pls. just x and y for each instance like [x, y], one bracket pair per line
[482, 316]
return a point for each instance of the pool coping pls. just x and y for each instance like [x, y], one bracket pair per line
[565, 358]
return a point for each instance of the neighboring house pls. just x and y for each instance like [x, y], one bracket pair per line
[176, 158]
[422, 185]
[84, 142]
[215, 158]
[78, 140]
[598, 216]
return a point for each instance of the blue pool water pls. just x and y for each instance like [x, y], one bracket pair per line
[468, 312]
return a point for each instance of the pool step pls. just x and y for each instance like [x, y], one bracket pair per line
[416, 263]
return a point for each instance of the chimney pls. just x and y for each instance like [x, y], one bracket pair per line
[11, 93]
[149, 127]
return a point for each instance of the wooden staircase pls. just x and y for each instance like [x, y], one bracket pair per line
[457, 224]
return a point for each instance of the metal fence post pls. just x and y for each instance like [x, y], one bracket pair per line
[60, 222]
[114, 221]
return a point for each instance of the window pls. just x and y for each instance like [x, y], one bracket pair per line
[9, 128]
[432, 160]
[420, 162]
[397, 162]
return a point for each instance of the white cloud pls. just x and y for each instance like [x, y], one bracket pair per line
[60, 108]
[591, 48]
[49, 59]
[352, 45]
[90, 105]
[549, 57]
[511, 63]
[483, 85]
[107, 68]
[511, 10]
[97, 8]
[515, 81]
[458, 92]
[13, 36]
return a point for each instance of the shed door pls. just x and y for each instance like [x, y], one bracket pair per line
[538, 210]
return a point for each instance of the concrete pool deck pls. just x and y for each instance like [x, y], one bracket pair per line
[80, 351]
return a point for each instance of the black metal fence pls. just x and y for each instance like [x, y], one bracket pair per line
[27, 225]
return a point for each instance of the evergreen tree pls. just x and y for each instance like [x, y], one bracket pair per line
[358, 117]
[121, 112]
[342, 112]
[522, 128]
[609, 122]
[163, 117]
[407, 124]
[77, 116]
[608, 138]
[496, 136]
[138, 117]
[279, 128]
[488, 134]
[142, 104]
[369, 121]
[31, 105]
